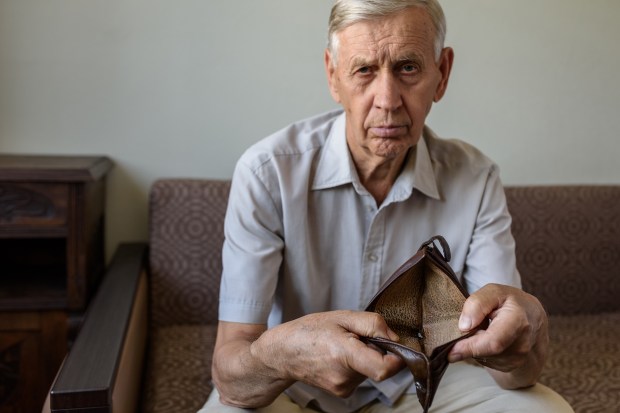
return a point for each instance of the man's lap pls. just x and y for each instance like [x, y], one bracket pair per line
[464, 388]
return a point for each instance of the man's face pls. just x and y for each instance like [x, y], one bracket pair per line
[387, 78]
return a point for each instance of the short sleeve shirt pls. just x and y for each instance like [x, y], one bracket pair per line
[302, 235]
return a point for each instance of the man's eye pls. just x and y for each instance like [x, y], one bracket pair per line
[409, 68]
[363, 70]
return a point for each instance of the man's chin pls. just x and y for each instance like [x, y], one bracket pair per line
[390, 150]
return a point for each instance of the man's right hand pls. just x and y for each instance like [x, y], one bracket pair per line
[253, 365]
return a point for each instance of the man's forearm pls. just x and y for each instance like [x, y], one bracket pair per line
[242, 379]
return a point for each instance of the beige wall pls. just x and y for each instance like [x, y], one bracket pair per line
[180, 88]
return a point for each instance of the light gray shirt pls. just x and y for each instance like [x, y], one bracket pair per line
[303, 235]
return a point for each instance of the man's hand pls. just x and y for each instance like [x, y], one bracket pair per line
[252, 365]
[514, 346]
[324, 350]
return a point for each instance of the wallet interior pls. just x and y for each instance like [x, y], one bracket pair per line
[423, 307]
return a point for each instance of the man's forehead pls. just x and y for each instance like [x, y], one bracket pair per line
[410, 31]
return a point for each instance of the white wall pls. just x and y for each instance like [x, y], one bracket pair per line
[180, 88]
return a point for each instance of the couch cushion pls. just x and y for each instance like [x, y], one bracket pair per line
[178, 375]
[186, 225]
[568, 245]
[584, 361]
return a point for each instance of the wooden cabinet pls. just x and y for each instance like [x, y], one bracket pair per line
[51, 260]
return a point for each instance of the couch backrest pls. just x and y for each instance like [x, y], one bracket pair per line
[186, 233]
[568, 245]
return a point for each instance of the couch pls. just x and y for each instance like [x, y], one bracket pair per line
[146, 341]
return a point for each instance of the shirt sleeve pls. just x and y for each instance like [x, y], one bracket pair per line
[491, 254]
[252, 250]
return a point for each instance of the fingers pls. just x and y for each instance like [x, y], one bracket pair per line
[361, 357]
[489, 349]
[517, 319]
[373, 363]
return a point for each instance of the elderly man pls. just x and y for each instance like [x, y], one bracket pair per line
[322, 212]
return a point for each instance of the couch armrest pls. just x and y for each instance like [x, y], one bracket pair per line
[102, 372]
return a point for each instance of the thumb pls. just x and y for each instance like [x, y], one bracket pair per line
[368, 324]
[480, 306]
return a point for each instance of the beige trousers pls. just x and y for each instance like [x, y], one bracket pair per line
[464, 388]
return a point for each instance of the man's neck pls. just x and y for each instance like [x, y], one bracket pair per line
[379, 177]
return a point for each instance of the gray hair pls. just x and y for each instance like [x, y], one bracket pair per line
[347, 12]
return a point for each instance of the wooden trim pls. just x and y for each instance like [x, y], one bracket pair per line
[126, 391]
[50, 168]
[88, 376]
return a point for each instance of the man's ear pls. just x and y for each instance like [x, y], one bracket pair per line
[332, 78]
[445, 67]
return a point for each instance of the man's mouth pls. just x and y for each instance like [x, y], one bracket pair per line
[387, 131]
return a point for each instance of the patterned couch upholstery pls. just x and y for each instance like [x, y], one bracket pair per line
[568, 251]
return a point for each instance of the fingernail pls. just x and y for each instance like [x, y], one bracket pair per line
[454, 358]
[393, 336]
[465, 323]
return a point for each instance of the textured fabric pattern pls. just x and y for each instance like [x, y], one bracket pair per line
[568, 245]
[584, 361]
[186, 236]
[178, 377]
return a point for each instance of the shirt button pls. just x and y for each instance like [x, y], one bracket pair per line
[373, 257]
[370, 208]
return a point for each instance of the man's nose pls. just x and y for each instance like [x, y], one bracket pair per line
[387, 92]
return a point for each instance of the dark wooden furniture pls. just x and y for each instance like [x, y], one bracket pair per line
[112, 343]
[51, 260]
[166, 290]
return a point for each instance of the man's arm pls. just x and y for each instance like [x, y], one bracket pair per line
[514, 347]
[252, 365]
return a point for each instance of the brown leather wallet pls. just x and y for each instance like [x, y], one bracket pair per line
[422, 303]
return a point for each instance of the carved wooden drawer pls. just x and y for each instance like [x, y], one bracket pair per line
[28, 205]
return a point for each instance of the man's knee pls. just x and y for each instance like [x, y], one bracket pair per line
[538, 398]
[543, 399]
[214, 405]
[282, 404]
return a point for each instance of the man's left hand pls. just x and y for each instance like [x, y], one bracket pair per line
[514, 346]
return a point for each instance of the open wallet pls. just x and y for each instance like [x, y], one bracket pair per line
[422, 303]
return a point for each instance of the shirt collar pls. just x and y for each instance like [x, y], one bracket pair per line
[423, 178]
[335, 166]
